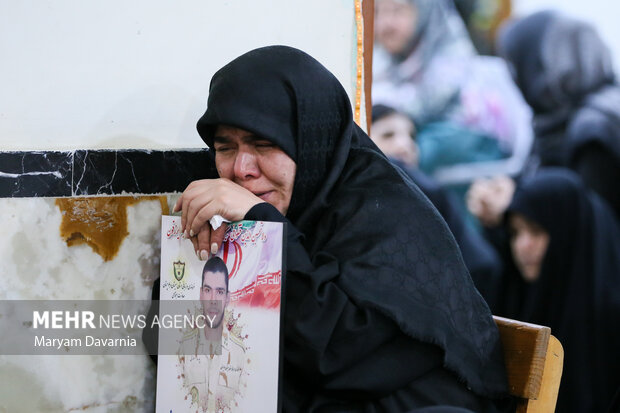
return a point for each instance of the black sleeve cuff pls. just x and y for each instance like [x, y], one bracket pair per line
[264, 212]
[267, 212]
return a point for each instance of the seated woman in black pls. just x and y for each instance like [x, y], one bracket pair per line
[380, 313]
[564, 243]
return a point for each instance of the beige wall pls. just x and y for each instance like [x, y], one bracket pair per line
[135, 74]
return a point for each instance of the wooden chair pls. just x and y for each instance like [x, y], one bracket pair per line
[534, 360]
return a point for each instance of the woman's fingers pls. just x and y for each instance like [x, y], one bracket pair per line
[217, 237]
[199, 212]
[195, 243]
[193, 198]
[206, 198]
[209, 241]
[185, 208]
[203, 241]
[177, 205]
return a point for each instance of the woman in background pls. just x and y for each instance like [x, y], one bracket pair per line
[565, 73]
[470, 118]
[564, 243]
[425, 65]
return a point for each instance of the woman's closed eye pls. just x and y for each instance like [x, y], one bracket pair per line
[223, 148]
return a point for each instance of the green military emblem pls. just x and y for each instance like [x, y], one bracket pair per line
[179, 270]
[194, 393]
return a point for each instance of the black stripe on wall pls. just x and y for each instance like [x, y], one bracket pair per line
[100, 172]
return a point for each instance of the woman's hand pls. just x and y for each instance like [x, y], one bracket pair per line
[488, 199]
[205, 198]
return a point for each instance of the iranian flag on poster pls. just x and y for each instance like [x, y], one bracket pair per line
[256, 266]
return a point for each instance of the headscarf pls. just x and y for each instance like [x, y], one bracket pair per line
[565, 73]
[577, 293]
[441, 78]
[354, 210]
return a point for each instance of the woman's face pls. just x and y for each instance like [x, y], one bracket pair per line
[393, 134]
[395, 23]
[256, 164]
[528, 243]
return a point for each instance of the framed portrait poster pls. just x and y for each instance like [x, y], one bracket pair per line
[224, 313]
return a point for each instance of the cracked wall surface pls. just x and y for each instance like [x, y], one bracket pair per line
[39, 264]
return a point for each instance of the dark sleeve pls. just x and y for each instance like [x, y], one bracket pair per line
[296, 255]
[342, 354]
[481, 259]
[600, 171]
[512, 288]
[614, 407]
[150, 335]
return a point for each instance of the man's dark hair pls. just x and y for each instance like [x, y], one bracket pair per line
[215, 264]
[381, 111]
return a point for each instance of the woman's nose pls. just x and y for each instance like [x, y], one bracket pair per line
[246, 165]
[524, 242]
[405, 146]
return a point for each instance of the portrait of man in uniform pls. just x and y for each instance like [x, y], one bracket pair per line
[212, 357]
[214, 298]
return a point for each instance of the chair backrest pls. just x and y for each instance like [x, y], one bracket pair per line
[534, 360]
